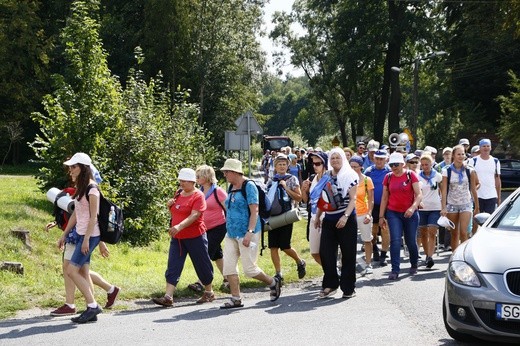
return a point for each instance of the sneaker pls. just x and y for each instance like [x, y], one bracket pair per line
[393, 276]
[164, 301]
[349, 295]
[368, 270]
[207, 297]
[382, 261]
[413, 270]
[429, 262]
[111, 297]
[327, 292]
[89, 315]
[302, 269]
[276, 289]
[63, 310]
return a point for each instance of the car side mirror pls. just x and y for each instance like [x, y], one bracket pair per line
[480, 218]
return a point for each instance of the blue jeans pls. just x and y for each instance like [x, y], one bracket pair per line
[397, 224]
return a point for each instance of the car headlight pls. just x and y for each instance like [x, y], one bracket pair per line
[462, 273]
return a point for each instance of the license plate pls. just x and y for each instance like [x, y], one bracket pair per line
[507, 312]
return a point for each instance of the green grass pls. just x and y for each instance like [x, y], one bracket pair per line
[139, 271]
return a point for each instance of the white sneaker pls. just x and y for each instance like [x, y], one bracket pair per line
[368, 270]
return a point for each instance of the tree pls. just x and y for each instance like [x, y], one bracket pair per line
[510, 106]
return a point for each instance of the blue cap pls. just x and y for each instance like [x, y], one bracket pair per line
[484, 141]
[323, 157]
[357, 160]
[383, 154]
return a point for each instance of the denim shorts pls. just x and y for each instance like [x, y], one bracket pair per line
[452, 208]
[429, 217]
[78, 258]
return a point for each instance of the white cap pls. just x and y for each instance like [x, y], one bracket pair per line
[187, 174]
[446, 149]
[396, 158]
[430, 149]
[464, 141]
[82, 158]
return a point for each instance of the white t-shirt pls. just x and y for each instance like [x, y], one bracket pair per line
[431, 199]
[486, 170]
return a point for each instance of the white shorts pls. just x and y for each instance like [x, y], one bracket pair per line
[315, 235]
[365, 229]
[68, 251]
[234, 249]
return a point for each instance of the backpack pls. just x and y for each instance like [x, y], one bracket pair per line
[282, 202]
[448, 171]
[264, 205]
[60, 216]
[111, 232]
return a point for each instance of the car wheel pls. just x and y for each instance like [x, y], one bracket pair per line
[452, 332]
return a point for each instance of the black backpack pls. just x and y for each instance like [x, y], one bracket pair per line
[264, 206]
[282, 201]
[111, 232]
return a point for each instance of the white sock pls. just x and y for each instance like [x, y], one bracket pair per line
[72, 306]
[168, 296]
[92, 305]
[273, 284]
[111, 290]
[235, 298]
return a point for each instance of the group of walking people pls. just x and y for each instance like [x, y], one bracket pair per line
[393, 196]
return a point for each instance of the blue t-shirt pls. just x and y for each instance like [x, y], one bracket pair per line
[237, 218]
[294, 170]
[377, 176]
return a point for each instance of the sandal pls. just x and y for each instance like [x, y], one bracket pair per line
[233, 303]
[326, 292]
[197, 287]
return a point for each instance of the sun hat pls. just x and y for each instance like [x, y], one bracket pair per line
[464, 141]
[373, 145]
[322, 156]
[443, 221]
[187, 174]
[381, 153]
[233, 165]
[396, 158]
[430, 149]
[411, 157]
[82, 158]
[446, 149]
[280, 157]
[357, 160]
[475, 149]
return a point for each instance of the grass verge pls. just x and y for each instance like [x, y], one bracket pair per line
[139, 271]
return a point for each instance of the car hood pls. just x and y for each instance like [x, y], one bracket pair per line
[494, 251]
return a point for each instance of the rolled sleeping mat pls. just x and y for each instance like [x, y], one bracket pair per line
[52, 193]
[284, 219]
[66, 203]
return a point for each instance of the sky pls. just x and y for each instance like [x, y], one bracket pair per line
[267, 44]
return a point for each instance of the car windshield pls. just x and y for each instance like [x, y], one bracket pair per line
[509, 218]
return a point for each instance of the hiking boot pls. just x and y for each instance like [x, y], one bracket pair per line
[111, 297]
[429, 262]
[164, 301]
[207, 297]
[89, 315]
[413, 270]
[302, 269]
[63, 310]
[276, 289]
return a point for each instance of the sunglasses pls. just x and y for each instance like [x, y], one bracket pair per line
[319, 163]
[395, 164]
[413, 162]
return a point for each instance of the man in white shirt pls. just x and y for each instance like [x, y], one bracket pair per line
[488, 171]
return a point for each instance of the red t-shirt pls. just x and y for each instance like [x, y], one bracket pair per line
[400, 191]
[182, 208]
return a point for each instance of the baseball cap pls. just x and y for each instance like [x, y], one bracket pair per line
[446, 149]
[464, 141]
[82, 158]
[381, 153]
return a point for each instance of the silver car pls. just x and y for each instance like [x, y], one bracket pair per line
[482, 294]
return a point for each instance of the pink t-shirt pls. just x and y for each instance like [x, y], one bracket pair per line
[81, 208]
[400, 191]
[214, 215]
[182, 208]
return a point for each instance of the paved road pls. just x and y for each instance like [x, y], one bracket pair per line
[403, 312]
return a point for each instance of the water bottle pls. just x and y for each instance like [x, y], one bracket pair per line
[111, 219]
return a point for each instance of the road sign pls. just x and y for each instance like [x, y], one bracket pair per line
[235, 142]
[247, 124]
[409, 133]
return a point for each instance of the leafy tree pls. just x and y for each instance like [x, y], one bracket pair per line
[510, 106]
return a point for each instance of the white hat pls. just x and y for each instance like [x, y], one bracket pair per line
[475, 149]
[464, 141]
[445, 222]
[82, 158]
[373, 145]
[430, 149]
[187, 174]
[381, 153]
[446, 149]
[281, 157]
[396, 158]
[411, 157]
[233, 165]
